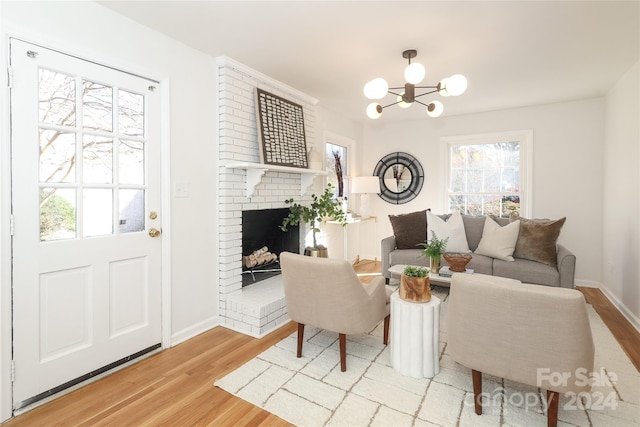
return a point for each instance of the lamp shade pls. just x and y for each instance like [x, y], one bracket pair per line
[365, 185]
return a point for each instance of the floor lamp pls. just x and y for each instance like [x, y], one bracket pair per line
[365, 185]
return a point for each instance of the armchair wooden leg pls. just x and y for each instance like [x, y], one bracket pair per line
[553, 398]
[300, 338]
[343, 352]
[477, 390]
[386, 329]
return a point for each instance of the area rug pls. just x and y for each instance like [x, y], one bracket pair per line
[312, 391]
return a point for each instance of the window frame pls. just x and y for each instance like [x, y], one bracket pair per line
[524, 137]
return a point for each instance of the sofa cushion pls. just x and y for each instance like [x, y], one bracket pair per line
[480, 264]
[453, 229]
[473, 226]
[527, 271]
[537, 240]
[498, 242]
[408, 257]
[409, 229]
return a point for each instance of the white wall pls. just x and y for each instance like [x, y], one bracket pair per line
[92, 31]
[621, 207]
[567, 167]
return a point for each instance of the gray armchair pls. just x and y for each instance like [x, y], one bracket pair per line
[327, 294]
[520, 332]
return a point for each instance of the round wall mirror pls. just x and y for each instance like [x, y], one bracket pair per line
[401, 177]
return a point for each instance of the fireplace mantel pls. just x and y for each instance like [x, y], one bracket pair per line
[255, 171]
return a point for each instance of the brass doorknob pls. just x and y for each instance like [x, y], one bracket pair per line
[154, 232]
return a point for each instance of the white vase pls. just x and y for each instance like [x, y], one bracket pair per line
[314, 159]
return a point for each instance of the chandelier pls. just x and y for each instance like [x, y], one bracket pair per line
[414, 73]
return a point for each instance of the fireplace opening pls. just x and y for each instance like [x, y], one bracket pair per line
[263, 241]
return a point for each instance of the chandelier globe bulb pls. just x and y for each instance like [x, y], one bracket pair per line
[401, 103]
[456, 84]
[442, 87]
[414, 73]
[376, 88]
[374, 110]
[435, 109]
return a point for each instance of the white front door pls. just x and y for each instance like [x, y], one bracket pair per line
[86, 201]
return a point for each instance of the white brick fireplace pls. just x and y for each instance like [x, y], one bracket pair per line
[260, 308]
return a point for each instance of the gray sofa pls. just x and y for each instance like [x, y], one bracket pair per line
[524, 270]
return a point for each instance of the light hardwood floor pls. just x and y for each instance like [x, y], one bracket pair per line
[175, 386]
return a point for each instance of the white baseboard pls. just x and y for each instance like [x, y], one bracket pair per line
[192, 331]
[632, 318]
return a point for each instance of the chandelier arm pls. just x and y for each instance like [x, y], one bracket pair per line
[426, 93]
[421, 103]
[394, 103]
[426, 87]
[394, 93]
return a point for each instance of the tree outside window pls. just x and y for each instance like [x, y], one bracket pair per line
[336, 166]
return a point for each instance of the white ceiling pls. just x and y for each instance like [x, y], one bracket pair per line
[513, 53]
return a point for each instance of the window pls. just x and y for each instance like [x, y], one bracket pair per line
[337, 148]
[89, 166]
[488, 174]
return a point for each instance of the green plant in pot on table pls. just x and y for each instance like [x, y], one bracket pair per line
[414, 284]
[433, 249]
[321, 208]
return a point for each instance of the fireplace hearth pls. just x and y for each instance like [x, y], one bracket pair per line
[263, 241]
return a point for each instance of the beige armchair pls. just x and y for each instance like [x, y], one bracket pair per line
[327, 294]
[525, 333]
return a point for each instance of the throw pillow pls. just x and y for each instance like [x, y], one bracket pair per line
[409, 229]
[473, 226]
[453, 228]
[537, 239]
[498, 241]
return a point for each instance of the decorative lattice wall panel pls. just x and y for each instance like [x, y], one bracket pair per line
[281, 131]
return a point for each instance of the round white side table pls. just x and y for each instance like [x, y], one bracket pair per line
[415, 335]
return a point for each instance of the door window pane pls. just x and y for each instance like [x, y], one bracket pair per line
[98, 212]
[131, 113]
[97, 106]
[131, 211]
[336, 163]
[57, 156]
[57, 98]
[97, 159]
[131, 162]
[57, 214]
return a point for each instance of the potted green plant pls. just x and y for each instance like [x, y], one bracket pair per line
[414, 284]
[433, 250]
[321, 208]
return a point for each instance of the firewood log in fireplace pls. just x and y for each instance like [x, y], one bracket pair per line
[259, 257]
